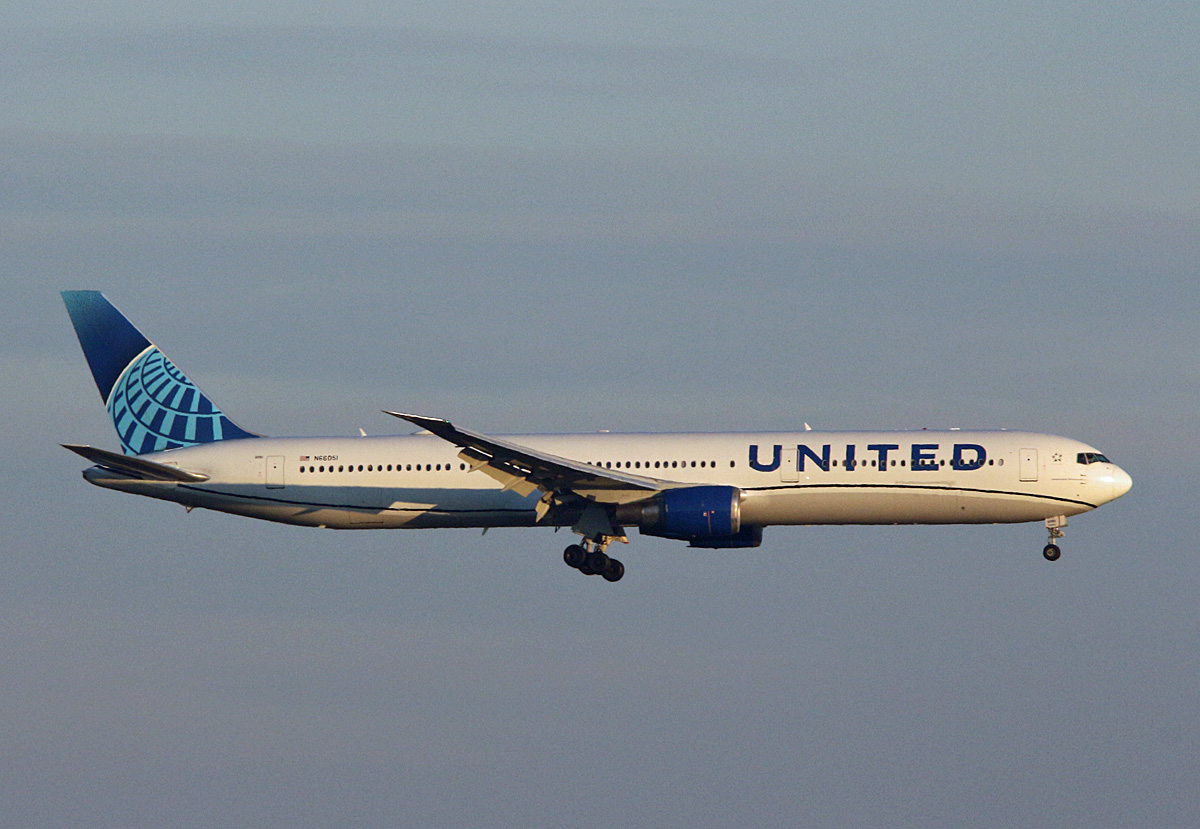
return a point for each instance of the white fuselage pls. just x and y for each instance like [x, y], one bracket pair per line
[418, 481]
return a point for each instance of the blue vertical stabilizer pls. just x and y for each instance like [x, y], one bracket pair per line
[152, 404]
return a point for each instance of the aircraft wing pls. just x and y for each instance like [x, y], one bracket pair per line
[527, 470]
[134, 466]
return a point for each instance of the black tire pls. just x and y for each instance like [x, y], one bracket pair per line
[575, 556]
[1051, 552]
[613, 571]
[594, 564]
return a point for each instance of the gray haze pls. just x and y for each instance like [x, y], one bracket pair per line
[568, 216]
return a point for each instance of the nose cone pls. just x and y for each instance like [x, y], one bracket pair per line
[1121, 482]
[1114, 477]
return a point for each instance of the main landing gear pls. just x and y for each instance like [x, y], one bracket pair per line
[590, 559]
[1051, 551]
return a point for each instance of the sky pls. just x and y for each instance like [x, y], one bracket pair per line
[555, 217]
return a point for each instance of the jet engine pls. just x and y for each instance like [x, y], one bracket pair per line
[705, 516]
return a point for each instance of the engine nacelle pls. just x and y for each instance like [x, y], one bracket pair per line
[704, 515]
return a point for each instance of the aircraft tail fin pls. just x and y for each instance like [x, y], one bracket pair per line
[153, 405]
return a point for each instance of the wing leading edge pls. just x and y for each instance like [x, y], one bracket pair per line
[527, 470]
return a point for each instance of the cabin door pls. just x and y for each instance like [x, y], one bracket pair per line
[1029, 465]
[789, 473]
[274, 471]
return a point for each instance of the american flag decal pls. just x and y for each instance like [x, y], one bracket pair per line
[304, 458]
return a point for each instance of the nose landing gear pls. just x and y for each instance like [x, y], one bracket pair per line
[1051, 551]
[590, 559]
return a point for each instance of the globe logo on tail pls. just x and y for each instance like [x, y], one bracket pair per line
[155, 407]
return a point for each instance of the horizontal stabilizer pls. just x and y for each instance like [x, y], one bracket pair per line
[136, 467]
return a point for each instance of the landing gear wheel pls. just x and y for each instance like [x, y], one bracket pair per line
[595, 563]
[613, 570]
[589, 558]
[1054, 525]
[575, 556]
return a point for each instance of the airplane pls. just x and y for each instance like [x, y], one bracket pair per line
[712, 490]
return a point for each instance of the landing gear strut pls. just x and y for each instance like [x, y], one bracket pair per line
[1051, 551]
[590, 559]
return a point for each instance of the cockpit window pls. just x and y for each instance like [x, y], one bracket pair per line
[1091, 457]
